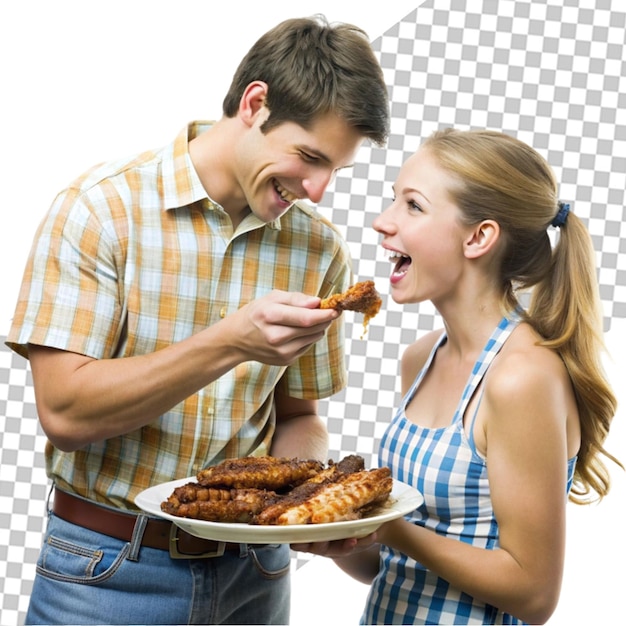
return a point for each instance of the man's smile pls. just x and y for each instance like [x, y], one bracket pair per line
[285, 195]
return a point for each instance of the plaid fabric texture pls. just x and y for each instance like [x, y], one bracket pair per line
[133, 257]
[443, 464]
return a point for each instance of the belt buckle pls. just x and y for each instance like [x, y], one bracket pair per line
[175, 553]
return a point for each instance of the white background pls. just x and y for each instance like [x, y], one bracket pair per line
[87, 81]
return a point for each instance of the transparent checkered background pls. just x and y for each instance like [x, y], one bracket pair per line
[550, 72]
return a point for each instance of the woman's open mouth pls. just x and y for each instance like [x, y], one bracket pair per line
[402, 263]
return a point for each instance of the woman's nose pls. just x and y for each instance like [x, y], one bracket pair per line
[382, 223]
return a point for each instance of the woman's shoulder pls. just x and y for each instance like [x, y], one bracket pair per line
[528, 398]
[524, 367]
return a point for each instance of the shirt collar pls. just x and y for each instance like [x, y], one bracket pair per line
[181, 183]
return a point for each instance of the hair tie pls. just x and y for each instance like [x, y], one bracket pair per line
[561, 216]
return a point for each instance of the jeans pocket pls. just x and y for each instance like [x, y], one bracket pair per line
[272, 561]
[70, 562]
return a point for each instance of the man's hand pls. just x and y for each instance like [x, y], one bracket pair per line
[281, 326]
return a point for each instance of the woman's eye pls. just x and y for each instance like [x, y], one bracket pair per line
[413, 205]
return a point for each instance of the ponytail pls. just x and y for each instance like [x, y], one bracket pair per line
[565, 310]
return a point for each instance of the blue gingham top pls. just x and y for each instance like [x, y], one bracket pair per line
[443, 464]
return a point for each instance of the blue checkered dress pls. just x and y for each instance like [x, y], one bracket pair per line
[442, 463]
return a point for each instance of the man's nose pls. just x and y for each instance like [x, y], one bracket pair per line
[316, 184]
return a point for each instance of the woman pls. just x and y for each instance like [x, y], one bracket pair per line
[505, 410]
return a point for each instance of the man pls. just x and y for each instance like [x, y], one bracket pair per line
[169, 310]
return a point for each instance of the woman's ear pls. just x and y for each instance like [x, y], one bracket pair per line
[482, 238]
[252, 102]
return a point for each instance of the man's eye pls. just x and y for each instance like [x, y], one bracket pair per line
[308, 157]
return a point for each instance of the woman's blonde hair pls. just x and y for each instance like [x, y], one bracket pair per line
[503, 179]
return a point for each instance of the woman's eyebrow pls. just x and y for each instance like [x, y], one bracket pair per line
[412, 190]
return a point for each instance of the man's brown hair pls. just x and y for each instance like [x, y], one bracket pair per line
[312, 68]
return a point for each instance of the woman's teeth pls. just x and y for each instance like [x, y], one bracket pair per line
[395, 256]
[402, 261]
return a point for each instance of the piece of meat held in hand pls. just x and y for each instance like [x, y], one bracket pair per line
[348, 498]
[264, 472]
[361, 297]
[217, 505]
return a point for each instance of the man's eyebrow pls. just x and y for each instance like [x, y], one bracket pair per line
[315, 152]
[322, 156]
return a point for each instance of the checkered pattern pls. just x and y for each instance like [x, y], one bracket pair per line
[548, 71]
[23, 485]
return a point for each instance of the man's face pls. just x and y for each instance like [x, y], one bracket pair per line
[290, 162]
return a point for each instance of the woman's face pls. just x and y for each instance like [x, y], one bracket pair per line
[422, 233]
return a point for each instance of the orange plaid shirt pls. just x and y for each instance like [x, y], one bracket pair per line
[134, 256]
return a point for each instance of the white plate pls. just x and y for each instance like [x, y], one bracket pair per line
[403, 500]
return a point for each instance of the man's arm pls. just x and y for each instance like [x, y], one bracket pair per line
[82, 400]
[300, 432]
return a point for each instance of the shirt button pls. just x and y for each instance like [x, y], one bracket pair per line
[210, 411]
[223, 312]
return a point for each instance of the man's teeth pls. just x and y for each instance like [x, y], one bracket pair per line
[285, 195]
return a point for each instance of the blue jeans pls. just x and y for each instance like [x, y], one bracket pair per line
[84, 577]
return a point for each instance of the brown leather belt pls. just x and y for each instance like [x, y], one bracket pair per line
[159, 533]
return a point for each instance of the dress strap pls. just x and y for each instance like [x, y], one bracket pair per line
[408, 396]
[500, 334]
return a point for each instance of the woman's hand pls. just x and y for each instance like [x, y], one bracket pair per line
[339, 548]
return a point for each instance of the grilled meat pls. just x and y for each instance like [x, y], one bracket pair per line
[217, 505]
[281, 491]
[361, 297]
[264, 472]
[346, 498]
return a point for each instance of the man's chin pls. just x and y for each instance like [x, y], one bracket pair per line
[273, 214]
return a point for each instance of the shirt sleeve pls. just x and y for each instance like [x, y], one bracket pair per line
[70, 294]
[321, 371]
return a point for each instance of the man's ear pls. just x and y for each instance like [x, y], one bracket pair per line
[481, 239]
[252, 103]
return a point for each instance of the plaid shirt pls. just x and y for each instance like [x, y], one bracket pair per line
[134, 256]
